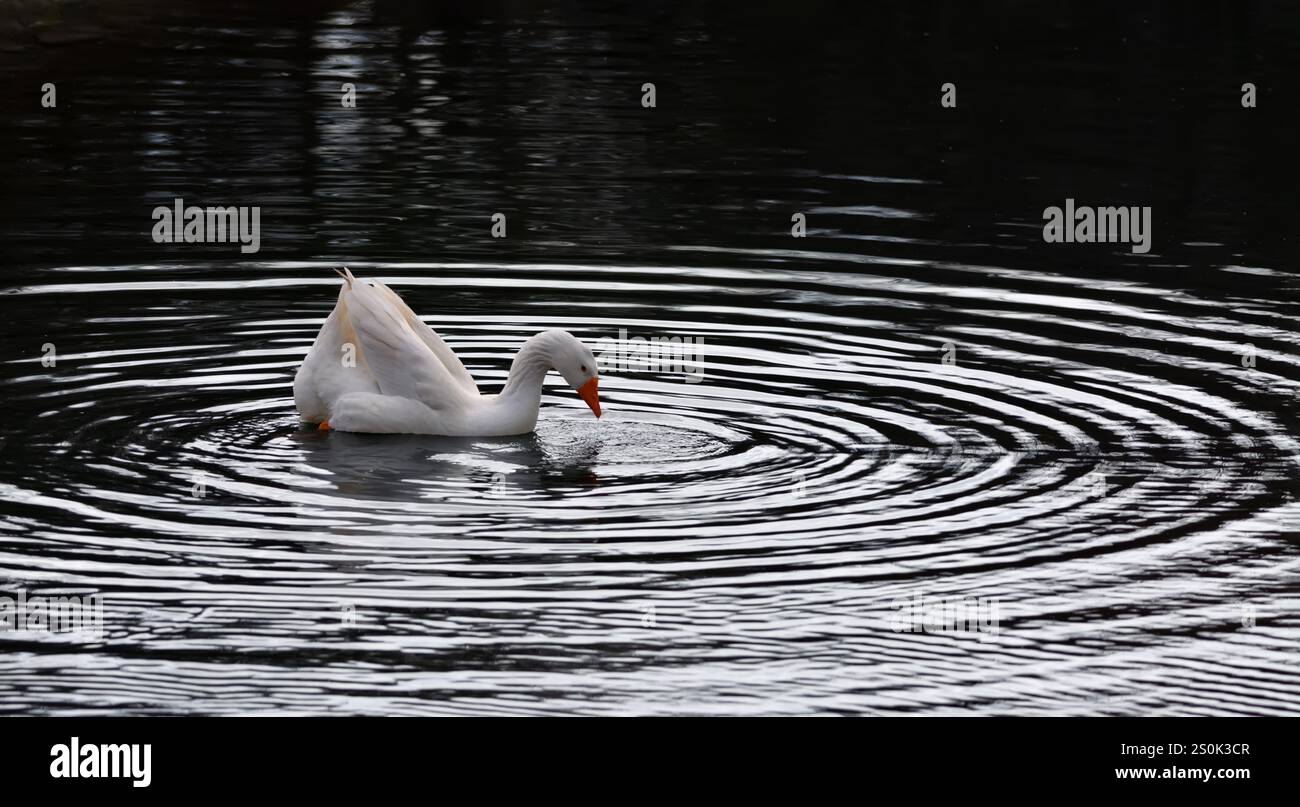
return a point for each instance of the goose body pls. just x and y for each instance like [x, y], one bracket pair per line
[377, 367]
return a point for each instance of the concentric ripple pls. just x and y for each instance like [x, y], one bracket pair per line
[1114, 464]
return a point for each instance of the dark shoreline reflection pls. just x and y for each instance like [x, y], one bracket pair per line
[468, 109]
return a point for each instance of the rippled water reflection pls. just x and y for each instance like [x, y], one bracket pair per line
[901, 406]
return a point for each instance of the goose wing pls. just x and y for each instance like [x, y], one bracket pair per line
[402, 362]
[440, 349]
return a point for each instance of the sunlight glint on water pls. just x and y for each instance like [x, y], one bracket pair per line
[827, 467]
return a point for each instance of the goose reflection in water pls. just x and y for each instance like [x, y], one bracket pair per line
[409, 467]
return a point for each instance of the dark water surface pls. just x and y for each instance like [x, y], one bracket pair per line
[1109, 460]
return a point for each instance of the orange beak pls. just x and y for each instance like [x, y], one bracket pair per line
[587, 392]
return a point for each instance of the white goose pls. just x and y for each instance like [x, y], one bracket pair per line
[399, 377]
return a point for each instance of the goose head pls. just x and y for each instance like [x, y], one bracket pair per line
[577, 364]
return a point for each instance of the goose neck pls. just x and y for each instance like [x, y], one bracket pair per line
[528, 371]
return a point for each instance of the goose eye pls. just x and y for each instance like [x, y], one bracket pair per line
[583, 368]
